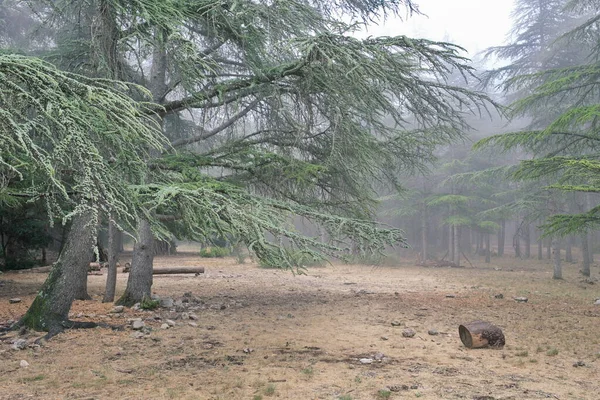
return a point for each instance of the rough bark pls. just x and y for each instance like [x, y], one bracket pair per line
[50, 309]
[549, 249]
[478, 334]
[527, 238]
[585, 267]
[113, 259]
[557, 264]
[139, 283]
[568, 250]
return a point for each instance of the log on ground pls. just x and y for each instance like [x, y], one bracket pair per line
[478, 334]
[180, 270]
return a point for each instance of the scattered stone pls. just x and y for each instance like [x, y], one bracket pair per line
[193, 324]
[223, 306]
[433, 332]
[137, 325]
[397, 323]
[136, 307]
[19, 344]
[597, 302]
[185, 316]
[170, 322]
[385, 338]
[194, 317]
[579, 364]
[155, 297]
[408, 333]
[379, 356]
[366, 361]
[167, 302]
[398, 388]
[24, 364]
[117, 309]
[450, 296]
[165, 326]
[137, 335]
[499, 296]
[187, 294]
[248, 350]
[14, 301]
[521, 299]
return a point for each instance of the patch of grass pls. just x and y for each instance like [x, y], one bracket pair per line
[539, 349]
[308, 372]
[357, 379]
[523, 353]
[533, 361]
[418, 394]
[383, 394]
[257, 397]
[270, 390]
[552, 352]
[148, 304]
[34, 378]
[345, 397]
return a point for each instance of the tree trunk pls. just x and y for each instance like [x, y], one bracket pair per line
[424, 243]
[501, 238]
[139, 283]
[585, 267]
[549, 248]
[527, 237]
[50, 309]
[451, 242]
[457, 245]
[557, 264]
[568, 251]
[488, 252]
[540, 245]
[517, 245]
[113, 259]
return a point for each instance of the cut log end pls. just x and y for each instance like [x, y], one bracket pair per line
[478, 334]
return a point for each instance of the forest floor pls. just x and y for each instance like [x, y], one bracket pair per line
[264, 333]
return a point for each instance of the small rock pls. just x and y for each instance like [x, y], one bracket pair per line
[155, 297]
[193, 324]
[170, 322]
[137, 325]
[187, 294]
[185, 316]
[248, 350]
[137, 335]
[194, 317]
[433, 332]
[499, 296]
[579, 364]
[24, 364]
[450, 296]
[117, 309]
[521, 299]
[385, 338]
[223, 306]
[397, 388]
[15, 300]
[597, 302]
[136, 307]
[167, 302]
[397, 323]
[366, 361]
[408, 333]
[19, 344]
[165, 326]
[379, 356]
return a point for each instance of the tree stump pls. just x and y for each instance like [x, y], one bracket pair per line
[478, 334]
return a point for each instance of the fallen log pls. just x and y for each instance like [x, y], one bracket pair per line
[478, 334]
[180, 270]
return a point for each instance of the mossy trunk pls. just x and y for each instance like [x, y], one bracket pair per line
[139, 283]
[50, 309]
[113, 258]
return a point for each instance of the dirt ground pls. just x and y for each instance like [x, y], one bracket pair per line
[264, 333]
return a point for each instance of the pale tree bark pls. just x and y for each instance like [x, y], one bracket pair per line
[527, 238]
[549, 248]
[139, 284]
[557, 264]
[424, 243]
[585, 267]
[568, 250]
[501, 238]
[456, 245]
[50, 309]
[113, 259]
[451, 242]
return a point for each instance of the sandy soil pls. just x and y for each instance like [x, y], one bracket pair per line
[269, 334]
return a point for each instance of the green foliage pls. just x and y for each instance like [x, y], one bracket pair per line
[148, 304]
[383, 394]
[214, 252]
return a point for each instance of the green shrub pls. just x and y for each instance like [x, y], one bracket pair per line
[214, 252]
[148, 304]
